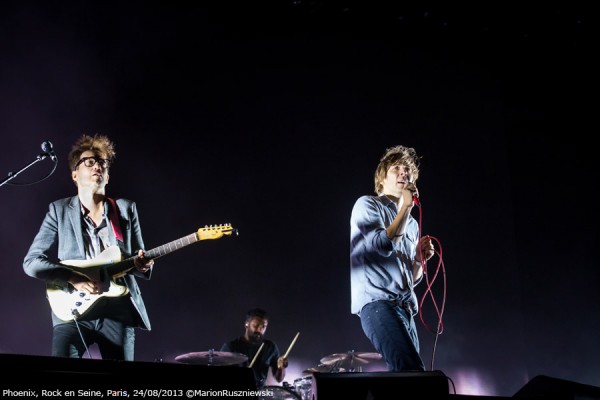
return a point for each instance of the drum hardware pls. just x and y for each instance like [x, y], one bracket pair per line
[324, 369]
[303, 387]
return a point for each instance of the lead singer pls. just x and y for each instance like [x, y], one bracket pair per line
[386, 256]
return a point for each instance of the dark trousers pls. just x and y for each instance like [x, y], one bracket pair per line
[392, 331]
[115, 340]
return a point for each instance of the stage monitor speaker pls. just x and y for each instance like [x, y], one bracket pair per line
[137, 378]
[545, 387]
[380, 385]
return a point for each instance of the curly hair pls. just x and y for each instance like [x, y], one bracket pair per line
[393, 156]
[101, 145]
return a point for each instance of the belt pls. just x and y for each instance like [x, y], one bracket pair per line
[407, 306]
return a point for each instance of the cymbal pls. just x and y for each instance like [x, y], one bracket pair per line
[350, 358]
[212, 357]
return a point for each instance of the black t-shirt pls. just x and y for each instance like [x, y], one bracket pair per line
[267, 358]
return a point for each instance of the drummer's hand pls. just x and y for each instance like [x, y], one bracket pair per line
[282, 362]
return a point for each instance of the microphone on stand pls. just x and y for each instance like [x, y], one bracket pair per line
[47, 148]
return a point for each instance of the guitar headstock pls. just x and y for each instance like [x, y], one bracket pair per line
[215, 231]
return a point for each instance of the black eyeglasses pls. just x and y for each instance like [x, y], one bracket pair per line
[91, 161]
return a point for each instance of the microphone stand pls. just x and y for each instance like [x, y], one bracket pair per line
[13, 175]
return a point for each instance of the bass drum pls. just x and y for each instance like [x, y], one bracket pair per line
[277, 393]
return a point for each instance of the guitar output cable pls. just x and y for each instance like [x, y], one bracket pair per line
[75, 315]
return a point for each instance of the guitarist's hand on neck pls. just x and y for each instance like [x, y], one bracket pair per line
[142, 263]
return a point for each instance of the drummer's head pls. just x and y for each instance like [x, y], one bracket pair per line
[256, 324]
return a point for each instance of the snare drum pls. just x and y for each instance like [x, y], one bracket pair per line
[277, 393]
[303, 387]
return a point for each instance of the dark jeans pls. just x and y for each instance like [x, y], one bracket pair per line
[115, 340]
[392, 331]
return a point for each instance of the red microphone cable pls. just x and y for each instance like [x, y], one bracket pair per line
[430, 279]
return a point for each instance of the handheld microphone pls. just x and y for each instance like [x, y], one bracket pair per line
[47, 148]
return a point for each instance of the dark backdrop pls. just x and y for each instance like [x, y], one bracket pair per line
[272, 116]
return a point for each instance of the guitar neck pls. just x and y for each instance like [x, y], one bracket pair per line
[171, 246]
[127, 264]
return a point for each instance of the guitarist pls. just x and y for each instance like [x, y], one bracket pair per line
[80, 228]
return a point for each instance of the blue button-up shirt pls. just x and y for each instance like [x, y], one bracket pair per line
[380, 268]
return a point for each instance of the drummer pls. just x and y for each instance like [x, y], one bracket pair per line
[262, 353]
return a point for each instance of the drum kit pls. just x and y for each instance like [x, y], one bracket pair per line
[350, 361]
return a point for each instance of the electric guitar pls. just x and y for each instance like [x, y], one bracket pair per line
[110, 265]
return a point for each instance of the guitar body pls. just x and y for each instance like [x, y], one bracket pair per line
[69, 304]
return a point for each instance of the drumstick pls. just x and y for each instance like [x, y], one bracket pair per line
[256, 355]
[291, 345]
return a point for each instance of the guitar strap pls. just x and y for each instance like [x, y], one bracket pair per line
[114, 219]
